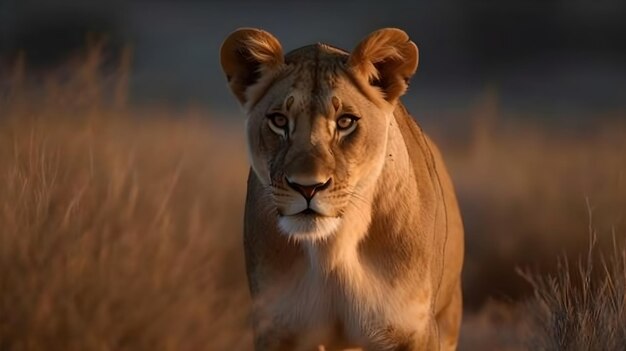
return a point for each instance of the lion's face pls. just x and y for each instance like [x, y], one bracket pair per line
[316, 148]
[316, 128]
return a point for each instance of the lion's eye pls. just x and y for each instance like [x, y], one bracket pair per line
[278, 122]
[346, 122]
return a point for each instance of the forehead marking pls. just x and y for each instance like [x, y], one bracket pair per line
[289, 102]
[336, 103]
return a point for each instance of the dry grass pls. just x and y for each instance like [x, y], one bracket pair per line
[584, 309]
[120, 227]
[524, 189]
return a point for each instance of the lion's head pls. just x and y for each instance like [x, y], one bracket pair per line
[317, 121]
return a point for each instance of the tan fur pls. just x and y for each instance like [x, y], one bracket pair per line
[378, 264]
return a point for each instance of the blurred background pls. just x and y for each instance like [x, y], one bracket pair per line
[120, 203]
[556, 57]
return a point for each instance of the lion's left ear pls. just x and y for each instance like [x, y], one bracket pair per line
[387, 59]
[246, 55]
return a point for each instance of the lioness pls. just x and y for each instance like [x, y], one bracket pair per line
[353, 236]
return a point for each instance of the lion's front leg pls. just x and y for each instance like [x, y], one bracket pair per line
[274, 340]
[278, 337]
[395, 339]
[449, 321]
[277, 341]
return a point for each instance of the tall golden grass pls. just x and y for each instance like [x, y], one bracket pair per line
[120, 225]
[119, 228]
[525, 189]
[580, 309]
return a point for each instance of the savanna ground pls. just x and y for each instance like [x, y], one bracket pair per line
[120, 225]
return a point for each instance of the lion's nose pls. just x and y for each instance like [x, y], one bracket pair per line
[308, 191]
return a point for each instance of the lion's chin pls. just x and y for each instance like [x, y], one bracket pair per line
[308, 227]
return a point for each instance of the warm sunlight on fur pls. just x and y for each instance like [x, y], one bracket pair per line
[361, 241]
[120, 223]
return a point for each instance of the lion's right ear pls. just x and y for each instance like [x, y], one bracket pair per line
[246, 55]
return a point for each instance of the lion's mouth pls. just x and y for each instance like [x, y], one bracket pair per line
[309, 212]
[308, 225]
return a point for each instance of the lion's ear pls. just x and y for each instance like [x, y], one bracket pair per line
[387, 59]
[246, 55]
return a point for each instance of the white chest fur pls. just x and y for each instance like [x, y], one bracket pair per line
[349, 297]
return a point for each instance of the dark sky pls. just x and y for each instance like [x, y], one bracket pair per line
[563, 57]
